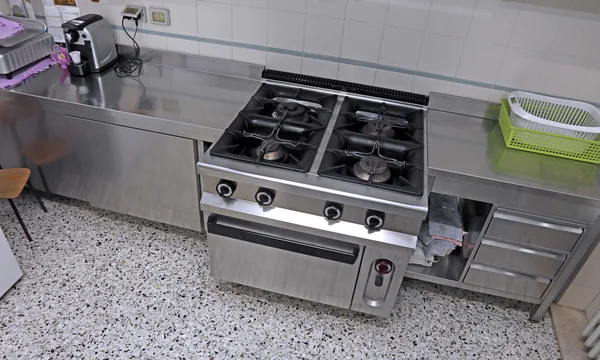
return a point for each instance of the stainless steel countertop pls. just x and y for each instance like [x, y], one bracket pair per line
[465, 143]
[166, 98]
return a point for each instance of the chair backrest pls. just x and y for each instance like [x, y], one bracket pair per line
[12, 182]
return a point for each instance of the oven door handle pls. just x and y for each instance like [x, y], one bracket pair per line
[338, 255]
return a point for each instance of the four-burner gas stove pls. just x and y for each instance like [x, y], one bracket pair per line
[318, 193]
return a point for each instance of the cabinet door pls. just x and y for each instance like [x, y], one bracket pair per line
[129, 171]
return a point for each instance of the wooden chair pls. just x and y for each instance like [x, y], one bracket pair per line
[12, 182]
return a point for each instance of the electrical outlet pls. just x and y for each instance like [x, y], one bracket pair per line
[144, 18]
[159, 16]
[131, 12]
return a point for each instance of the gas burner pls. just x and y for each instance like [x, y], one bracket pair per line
[380, 124]
[375, 153]
[271, 146]
[375, 128]
[372, 168]
[270, 151]
[281, 127]
[377, 144]
[290, 110]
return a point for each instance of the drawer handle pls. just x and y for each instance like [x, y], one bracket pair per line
[346, 257]
[506, 246]
[509, 273]
[523, 220]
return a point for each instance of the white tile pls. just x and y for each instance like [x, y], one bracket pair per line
[593, 307]
[590, 91]
[543, 72]
[284, 62]
[215, 50]
[298, 6]
[440, 54]
[121, 37]
[536, 27]
[554, 4]
[182, 46]
[323, 35]
[321, 68]
[596, 252]
[370, 11]
[394, 80]
[423, 85]
[252, 3]
[480, 61]
[185, 13]
[249, 25]
[563, 75]
[450, 17]
[332, 8]
[222, 1]
[361, 41]
[214, 20]
[578, 35]
[401, 47]
[522, 69]
[588, 274]
[493, 21]
[357, 74]
[152, 41]
[286, 30]
[585, 6]
[496, 95]
[578, 297]
[470, 91]
[249, 56]
[409, 14]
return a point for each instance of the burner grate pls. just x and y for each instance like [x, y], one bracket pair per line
[377, 144]
[280, 126]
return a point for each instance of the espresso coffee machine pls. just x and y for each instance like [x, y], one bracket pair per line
[92, 36]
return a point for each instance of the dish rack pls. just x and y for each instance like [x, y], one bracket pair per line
[546, 125]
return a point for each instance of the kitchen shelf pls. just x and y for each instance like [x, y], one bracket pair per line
[451, 270]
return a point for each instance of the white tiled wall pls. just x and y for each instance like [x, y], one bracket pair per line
[584, 291]
[475, 48]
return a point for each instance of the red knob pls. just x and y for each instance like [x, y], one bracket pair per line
[383, 266]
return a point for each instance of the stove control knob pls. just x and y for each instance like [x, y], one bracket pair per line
[374, 219]
[264, 197]
[225, 188]
[332, 211]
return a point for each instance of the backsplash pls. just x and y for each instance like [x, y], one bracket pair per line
[473, 48]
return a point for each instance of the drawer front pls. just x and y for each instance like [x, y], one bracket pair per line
[289, 263]
[510, 282]
[520, 259]
[524, 230]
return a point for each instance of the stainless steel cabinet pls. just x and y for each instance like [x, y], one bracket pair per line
[506, 281]
[527, 230]
[518, 258]
[129, 171]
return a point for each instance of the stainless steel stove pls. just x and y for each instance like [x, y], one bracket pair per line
[318, 194]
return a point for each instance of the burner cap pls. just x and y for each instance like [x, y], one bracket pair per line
[289, 110]
[270, 151]
[376, 128]
[372, 168]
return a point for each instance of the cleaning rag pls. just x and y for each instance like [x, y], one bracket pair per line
[25, 74]
[430, 246]
[445, 222]
[9, 28]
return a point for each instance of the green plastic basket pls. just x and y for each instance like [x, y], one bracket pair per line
[546, 143]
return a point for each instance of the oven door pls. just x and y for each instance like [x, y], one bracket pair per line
[283, 261]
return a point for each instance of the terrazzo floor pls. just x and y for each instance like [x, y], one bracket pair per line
[99, 285]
